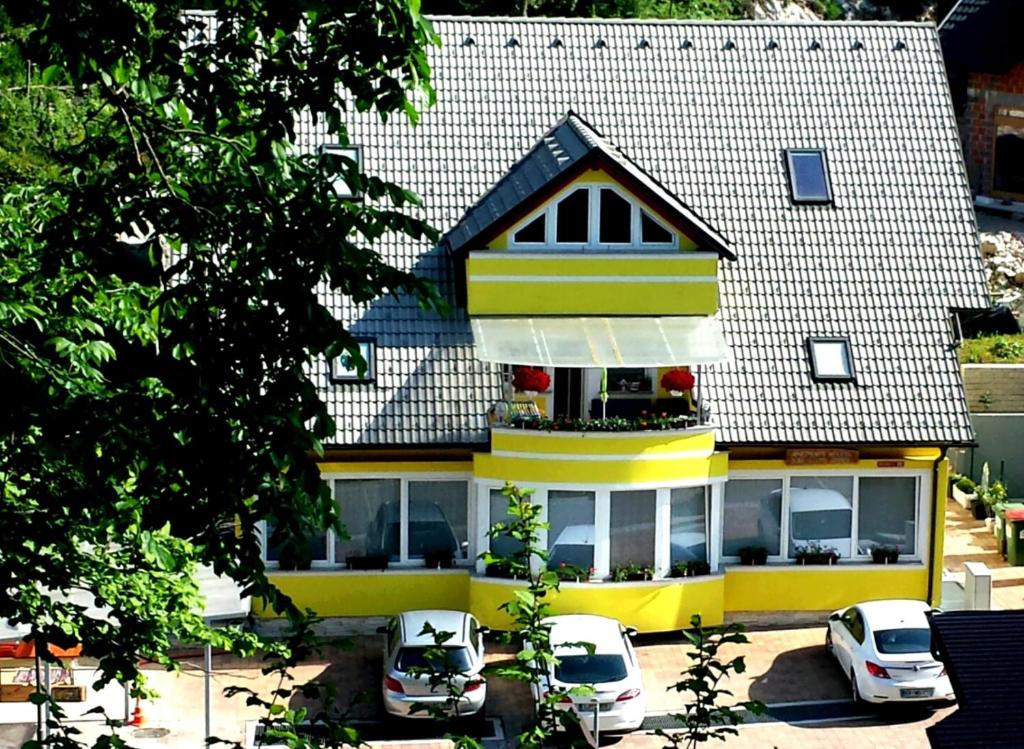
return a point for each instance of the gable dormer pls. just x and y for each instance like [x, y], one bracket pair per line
[577, 228]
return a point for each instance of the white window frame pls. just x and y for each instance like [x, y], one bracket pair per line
[602, 518]
[550, 211]
[922, 511]
[338, 184]
[404, 562]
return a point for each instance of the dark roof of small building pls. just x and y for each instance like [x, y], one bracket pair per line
[568, 146]
[707, 110]
[983, 35]
[984, 659]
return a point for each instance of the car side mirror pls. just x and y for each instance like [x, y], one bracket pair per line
[631, 632]
[382, 630]
[483, 629]
[834, 617]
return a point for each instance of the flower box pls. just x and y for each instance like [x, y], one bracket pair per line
[366, 562]
[753, 555]
[817, 559]
[964, 499]
[885, 554]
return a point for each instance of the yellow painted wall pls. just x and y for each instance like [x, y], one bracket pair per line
[793, 588]
[614, 296]
[372, 593]
[558, 470]
[603, 443]
[650, 607]
[592, 176]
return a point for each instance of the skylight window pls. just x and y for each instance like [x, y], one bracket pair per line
[344, 367]
[342, 164]
[831, 359]
[808, 176]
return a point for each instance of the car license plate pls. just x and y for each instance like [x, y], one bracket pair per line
[912, 693]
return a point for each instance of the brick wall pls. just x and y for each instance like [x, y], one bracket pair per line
[986, 92]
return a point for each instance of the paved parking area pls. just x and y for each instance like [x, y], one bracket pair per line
[783, 666]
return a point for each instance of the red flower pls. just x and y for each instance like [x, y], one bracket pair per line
[530, 378]
[677, 379]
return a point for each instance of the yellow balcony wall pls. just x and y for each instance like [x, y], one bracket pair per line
[658, 606]
[523, 455]
[628, 283]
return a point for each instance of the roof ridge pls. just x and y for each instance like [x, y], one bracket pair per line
[565, 20]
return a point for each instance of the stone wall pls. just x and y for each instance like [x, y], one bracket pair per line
[986, 92]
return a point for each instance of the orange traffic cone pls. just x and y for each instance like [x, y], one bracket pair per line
[138, 720]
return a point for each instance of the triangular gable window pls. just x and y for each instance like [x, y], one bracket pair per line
[593, 217]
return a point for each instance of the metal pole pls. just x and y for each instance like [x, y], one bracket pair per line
[127, 704]
[207, 678]
[46, 707]
[39, 708]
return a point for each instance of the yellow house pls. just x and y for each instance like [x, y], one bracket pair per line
[701, 278]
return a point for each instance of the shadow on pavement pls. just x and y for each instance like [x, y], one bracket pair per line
[804, 674]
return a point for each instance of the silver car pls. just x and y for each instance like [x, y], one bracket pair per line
[405, 652]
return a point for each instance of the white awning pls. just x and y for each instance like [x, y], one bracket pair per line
[600, 341]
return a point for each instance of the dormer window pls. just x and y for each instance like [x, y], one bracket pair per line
[593, 217]
[831, 360]
[808, 176]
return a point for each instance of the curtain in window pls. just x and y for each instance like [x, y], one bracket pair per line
[632, 527]
[371, 513]
[753, 514]
[688, 541]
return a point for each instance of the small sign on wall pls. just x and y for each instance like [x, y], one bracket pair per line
[816, 456]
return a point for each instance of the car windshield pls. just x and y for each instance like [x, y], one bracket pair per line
[590, 669]
[456, 660]
[895, 641]
[819, 524]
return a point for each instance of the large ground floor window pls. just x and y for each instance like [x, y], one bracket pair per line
[850, 514]
[602, 531]
[400, 520]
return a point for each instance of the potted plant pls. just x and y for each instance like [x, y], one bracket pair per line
[439, 560]
[677, 381]
[815, 553]
[366, 562]
[885, 554]
[530, 380]
[692, 568]
[572, 573]
[965, 492]
[631, 573]
[753, 555]
[502, 569]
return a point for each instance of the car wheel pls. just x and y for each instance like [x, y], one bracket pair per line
[829, 649]
[854, 691]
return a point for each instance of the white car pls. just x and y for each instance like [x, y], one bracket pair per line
[612, 670]
[406, 650]
[884, 648]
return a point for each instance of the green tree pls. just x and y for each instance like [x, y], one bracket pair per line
[159, 402]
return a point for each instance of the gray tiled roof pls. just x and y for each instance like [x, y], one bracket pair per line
[566, 145]
[707, 109]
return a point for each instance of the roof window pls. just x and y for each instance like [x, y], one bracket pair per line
[808, 176]
[345, 368]
[831, 360]
[342, 165]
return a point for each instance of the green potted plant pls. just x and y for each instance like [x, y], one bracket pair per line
[815, 553]
[965, 493]
[631, 572]
[572, 573]
[692, 568]
[294, 557]
[439, 560]
[885, 554]
[753, 555]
